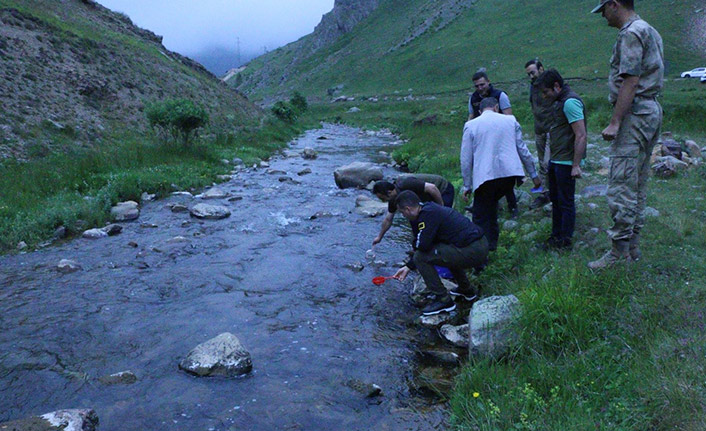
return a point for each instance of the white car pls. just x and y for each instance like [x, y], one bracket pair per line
[703, 79]
[694, 73]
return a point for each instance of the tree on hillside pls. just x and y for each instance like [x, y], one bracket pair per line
[180, 118]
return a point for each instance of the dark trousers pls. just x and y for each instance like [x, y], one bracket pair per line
[448, 196]
[511, 199]
[561, 192]
[485, 206]
[457, 259]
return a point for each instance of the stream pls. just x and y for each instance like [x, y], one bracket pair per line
[271, 274]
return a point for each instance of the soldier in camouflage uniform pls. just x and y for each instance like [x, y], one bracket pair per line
[543, 114]
[636, 78]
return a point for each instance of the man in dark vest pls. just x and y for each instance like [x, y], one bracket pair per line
[567, 147]
[485, 89]
[542, 112]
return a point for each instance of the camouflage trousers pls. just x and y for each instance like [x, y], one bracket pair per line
[630, 168]
[542, 142]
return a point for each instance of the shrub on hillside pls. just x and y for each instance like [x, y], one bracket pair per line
[298, 102]
[285, 112]
[178, 118]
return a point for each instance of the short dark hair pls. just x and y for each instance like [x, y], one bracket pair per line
[549, 78]
[533, 61]
[407, 199]
[479, 75]
[383, 187]
[488, 102]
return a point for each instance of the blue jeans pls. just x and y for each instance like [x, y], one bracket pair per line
[562, 189]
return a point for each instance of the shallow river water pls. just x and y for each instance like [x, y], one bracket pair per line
[269, 274]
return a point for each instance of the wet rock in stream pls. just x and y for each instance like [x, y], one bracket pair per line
[121, 378]
[67, 266]
[368, 390]
[219, 356]
[209, 212]
[68, 420]
[357, 174]
[213, 193]
[369, 207]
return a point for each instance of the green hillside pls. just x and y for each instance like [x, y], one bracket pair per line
[500, 35]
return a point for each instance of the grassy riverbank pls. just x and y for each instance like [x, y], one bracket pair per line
[76, 189]
[619, 350]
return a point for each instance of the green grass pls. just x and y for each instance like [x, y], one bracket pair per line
[76, 189]
[619, 350]
[500, 35]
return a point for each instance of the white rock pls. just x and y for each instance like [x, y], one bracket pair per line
[651, 212]
[309, 153]
[489, 321]
[72, 420]
[210, 212]
[94, 234]
[213, 193]
[21, 245]
[369, 207]
[435, 320]
[125, 211]
[185, 194]
[456, 335]
[219, 356]
[147, 197]
[357, 174]
[66, 266]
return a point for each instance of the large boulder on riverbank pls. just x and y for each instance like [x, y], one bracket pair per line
[210, 212]
[124, 211]
[68, 420]
[219, 356]
[490, 320]
[357, 174]
[367, 206]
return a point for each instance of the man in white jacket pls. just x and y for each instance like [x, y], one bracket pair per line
[492, 158]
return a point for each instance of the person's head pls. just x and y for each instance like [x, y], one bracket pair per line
[550, 83]
[534, 68]
[481, 83]
[408, 204]
[615, 12]
[384, 190]
[489, 103]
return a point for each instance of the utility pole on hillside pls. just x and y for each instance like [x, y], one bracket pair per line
[237, 52]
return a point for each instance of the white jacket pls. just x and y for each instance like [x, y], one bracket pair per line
[491, 148]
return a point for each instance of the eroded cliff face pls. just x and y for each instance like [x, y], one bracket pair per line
[72, 72]
[344, 16]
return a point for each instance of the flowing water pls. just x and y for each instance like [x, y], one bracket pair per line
[270, 274]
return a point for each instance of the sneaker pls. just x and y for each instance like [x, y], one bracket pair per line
[439, 305]
[468, 296]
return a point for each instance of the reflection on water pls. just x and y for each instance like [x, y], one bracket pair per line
[273, 274]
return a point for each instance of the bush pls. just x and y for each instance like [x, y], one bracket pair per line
[298, 102]
[179, 118]
[285, 112]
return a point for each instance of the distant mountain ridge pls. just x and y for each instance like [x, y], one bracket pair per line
[429, 46]
[74, 68]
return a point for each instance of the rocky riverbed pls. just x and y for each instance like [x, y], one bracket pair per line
[104, 323]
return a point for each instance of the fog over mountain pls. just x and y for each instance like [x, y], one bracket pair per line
[212, 31]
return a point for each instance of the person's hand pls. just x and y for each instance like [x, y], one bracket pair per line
[401, 273]
[537, 182]
[377, 240]
[610, 132]
[467, 194]
[576, 172]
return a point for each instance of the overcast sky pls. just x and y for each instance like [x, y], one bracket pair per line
[190, 27]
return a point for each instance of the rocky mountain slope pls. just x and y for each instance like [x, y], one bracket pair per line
[73, 73]
[435, 46]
